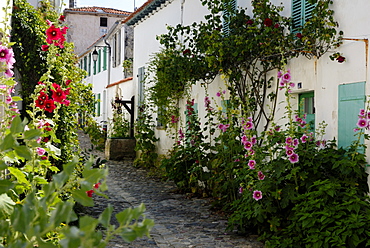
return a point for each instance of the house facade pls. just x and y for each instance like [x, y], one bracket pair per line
[103, 60]
[332, 92]
[88, 24]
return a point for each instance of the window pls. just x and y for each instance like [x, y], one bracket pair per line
[307, 107]
[301, 12]
[97, 105]
[117, 49]
[99, 60]
[140, 78]
[103, 22]
[226, 16]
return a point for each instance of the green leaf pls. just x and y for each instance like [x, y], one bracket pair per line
[7, 143]
[17, 125]
[3, 165]
[62, 213]
[21, 177]
[81, 197]
[5, 185]
[124, 218]
[23, 152]
[31, 134]
[105, 217]
[6, 205]
[128, 234]
[94, 175]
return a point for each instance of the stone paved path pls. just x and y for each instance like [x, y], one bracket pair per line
[179, 222]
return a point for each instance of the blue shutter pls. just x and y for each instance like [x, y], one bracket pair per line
[351, 100]
[226, 16]
[301, 12]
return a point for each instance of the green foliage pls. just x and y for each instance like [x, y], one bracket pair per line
[119, 126]
[145, 138]
[41, 175]
[96, 133]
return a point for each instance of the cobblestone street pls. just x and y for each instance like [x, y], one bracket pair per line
[179, 221]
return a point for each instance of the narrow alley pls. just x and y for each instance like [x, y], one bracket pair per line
[179, 221]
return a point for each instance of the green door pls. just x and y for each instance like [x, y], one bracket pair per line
[351, 100]
[307, 107]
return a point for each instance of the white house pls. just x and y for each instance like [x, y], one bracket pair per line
[103, 61]
[333, 92]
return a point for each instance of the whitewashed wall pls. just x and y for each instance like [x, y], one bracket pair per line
[322, 76]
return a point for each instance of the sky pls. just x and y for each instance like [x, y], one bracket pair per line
[126, 5]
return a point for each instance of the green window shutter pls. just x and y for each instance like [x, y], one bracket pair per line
[232, 4]
[89, 65]
[225, 104]
[141, 75]
[105, 58]
[98, 107]
[351, 99]
[85, 63]
[99, 60]
[301, 12]
[307, 107]
[95, 62]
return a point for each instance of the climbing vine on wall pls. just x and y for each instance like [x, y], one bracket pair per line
[244, 54]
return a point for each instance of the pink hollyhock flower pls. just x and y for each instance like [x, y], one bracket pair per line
[8, 99]
[289, 152]
[218, 94]
[252, 164]
[248, 125]
[241, 190]
[289, 140]
[261, 176]
[244, 139]
[254, 140]
[280, 74]
[251, 152]
[286, 77]
[304, 138]
[248, 145]
[362, 112]
[49, 23]
[40, 151]
[9, 73]
[257, 195]
[4, 54]
[237, 160]
[362, 123]
[174, 119]
[223, 127]
[295, 142]
[181, 134]
[294, 158]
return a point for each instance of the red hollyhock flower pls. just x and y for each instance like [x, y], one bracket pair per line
[59, 95]
[62, 18]
[96, 186]
[44, 48]
[47, 126]
[43, 96]
[90, 192]
[249, 22]
[186, 51]
[53, 34]
[299, 35]
[40, 103]
[268, 22]
[49, 105]
[68, 82]
[45, 139]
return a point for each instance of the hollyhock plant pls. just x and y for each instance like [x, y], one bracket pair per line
[304, 138]
[257, 195]
[267, 22]
[248, 145]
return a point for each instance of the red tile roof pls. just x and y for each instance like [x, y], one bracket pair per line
[101, 10]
